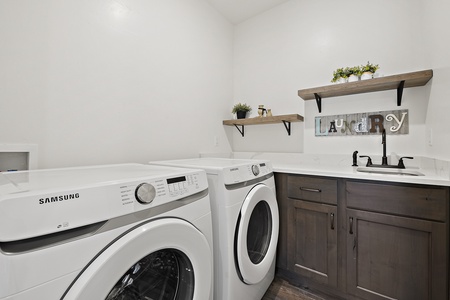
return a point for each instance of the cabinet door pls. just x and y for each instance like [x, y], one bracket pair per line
[392, 257]
[312, 241]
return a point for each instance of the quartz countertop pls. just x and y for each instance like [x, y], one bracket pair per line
[429, 177]
[436, 172]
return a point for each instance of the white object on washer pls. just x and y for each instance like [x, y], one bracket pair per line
[245, 224]
[97, 232]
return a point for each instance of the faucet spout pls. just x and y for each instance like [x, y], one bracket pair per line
[383, 141]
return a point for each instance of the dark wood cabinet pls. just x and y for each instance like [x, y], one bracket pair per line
[396, 241]
[312, 241]
[357, 239]
[392, 257]
[315, 189]
[312, 230]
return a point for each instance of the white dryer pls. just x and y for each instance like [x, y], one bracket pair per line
[105, 232]
[245, 224]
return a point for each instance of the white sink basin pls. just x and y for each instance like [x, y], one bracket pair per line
[389, 171]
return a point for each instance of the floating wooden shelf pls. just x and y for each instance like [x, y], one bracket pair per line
[392, 82]
[285, 119]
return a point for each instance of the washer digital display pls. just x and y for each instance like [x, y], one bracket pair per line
[176, 179]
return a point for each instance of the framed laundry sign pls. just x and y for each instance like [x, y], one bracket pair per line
[371, 123]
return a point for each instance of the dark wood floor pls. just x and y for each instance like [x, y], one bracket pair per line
[282, 290]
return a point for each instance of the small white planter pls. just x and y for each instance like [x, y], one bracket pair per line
[342, 80]
[366, 75]
[352, 78]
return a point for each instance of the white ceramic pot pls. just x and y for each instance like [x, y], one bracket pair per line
[352, 78]
[342, 80]
[366, 75]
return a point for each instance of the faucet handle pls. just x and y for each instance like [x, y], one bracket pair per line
[369, 160]
[355, 155]
[401, 165]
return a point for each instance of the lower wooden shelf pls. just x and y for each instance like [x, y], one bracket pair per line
[285, 119]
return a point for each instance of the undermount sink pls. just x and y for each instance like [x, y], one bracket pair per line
[389, 171]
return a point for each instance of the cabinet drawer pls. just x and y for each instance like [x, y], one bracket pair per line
[421, 202]
[312, 189]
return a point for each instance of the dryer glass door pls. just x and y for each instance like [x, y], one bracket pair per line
[257, 234]
[167, 259]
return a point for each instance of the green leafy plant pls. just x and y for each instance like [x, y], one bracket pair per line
[356, 70]
[339, 73]
[369, 68]
[353, 71]
[241, 107]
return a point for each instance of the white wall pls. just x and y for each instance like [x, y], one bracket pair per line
[299, 44]
[436, 27]
[111, 81]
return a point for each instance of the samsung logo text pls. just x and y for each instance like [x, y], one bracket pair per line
[59, 198]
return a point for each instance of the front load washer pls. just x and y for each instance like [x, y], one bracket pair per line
[126, 231]
[245, 224]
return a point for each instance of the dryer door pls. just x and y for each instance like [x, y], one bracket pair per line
[163, 259]
[257, 234]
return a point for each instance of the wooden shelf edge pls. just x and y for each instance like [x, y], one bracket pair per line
[412, 79]
[264, 120]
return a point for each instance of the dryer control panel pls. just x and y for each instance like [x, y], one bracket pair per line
[247, 172]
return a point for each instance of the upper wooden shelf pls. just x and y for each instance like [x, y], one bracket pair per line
[398, 82]
[285, 119]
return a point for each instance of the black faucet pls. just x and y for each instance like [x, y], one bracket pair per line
[384, 162]
[401, 165]
[383, 141]
[355, 157]
[369, 161]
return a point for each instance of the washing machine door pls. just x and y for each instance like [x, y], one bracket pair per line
[163, 259]
[257, 234]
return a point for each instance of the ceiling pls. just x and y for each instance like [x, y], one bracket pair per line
[237, 11]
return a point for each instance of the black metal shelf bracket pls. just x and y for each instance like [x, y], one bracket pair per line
[318, 101]
[287, 125]
[400, 92]
[241, 131]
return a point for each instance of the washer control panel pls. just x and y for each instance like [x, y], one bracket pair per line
[145, 193]
[181, 185]
[101, 193]
[161, 190]
[247, 172]
[255, 170]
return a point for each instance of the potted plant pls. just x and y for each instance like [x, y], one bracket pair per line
[353, 73]
[339, 75]
[368, 70]
[241, 110]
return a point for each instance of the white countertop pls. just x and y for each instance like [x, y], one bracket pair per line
[429, 178]
[436, 172]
